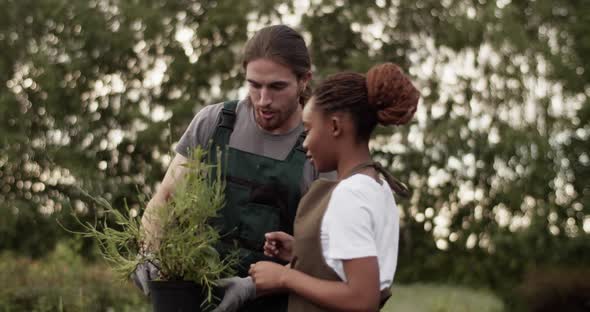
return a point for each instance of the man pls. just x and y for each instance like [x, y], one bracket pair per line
[265, 166]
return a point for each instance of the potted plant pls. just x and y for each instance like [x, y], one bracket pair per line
[188, 263]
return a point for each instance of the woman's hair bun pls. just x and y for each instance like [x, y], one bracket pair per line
[392, 94]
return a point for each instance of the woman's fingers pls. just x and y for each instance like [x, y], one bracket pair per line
[270, 248]
[277, 236]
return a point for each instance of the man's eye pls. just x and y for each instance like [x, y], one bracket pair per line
[255, 85]
[278, 87]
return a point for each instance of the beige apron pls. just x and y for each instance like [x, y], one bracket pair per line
[307, 250]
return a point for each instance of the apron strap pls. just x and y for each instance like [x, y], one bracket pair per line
[383, 297]
[397, 186]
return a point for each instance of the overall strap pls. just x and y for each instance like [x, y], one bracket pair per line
[223, 130]
[297, 153]
[397, 186]
[299, 143]
[225, 124]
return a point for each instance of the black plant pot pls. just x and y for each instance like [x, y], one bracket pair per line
[178, 296]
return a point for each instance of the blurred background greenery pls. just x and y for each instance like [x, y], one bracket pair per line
[95, 93]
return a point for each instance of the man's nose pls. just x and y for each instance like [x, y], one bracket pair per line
[265, 97]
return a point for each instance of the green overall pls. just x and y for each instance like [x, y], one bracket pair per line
[261, 195]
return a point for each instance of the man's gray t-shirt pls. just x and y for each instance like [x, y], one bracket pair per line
[246, 136]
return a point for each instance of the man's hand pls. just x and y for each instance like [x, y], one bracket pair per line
[279, 245]
[145, 272]
[238, 290]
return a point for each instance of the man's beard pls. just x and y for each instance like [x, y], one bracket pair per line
[278, 119]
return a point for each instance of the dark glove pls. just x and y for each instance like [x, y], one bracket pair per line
[145, 272]
[238, 291]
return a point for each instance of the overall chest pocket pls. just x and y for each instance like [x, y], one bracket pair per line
[265, 211]
[255, 221]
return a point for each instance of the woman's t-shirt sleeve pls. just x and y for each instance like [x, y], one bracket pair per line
[350, 229]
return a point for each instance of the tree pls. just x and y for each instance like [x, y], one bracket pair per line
[92, 93]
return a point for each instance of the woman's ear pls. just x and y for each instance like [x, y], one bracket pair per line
[336, 125]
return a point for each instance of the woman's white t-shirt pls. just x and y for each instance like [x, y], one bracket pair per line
[361, 220]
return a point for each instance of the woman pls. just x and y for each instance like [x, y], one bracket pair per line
[344, 250]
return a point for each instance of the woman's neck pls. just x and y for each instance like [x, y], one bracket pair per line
[353, 157]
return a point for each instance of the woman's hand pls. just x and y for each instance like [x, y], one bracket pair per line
[279, 245]
[268, 275]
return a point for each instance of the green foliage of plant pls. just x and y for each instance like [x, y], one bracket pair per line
[62, 281]
[186, 241]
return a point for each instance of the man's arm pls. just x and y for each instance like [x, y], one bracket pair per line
[149, 222]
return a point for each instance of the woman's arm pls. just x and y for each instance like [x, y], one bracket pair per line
[359, 293]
